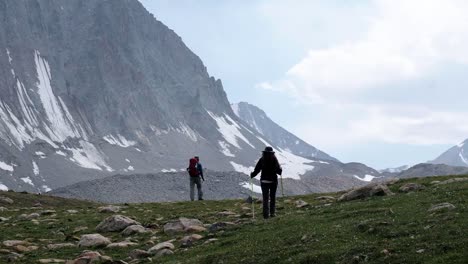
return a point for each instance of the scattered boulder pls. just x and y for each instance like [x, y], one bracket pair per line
[2, 209]
[441, 206]
[164, 245]
[12, 243]
[93, 240]
[109, 209]
[301, 204]
[409, 187]
[211, 240]
[4, 219]
[452, 181]
[5, 200]
[60, 246]
[115, 223]
[123, 244]
[72, 211]
[28, 217]
[374, 189]
[79, 229]
[134, 229]
[326, 198]
[87, 257]
[226, 213]
[184, 225]
[139, 254]
[188, 241]
[47, 212]
[52, 261]
[219, 226]
[13, 256]
[164, 252]
[24, 249]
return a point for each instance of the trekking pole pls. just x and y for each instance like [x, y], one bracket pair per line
[253, 202]
[282, 190]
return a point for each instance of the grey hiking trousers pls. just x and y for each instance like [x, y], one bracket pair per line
[196, 181]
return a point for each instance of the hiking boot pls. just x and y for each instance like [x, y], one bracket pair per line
[201, 199]
[273, 215]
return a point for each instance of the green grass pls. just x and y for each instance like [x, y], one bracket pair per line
[343, 232]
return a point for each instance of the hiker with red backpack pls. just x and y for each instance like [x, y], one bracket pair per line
[195, 171]
[270, 168]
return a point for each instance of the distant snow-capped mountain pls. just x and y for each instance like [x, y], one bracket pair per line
[455, 156]
[259, 121]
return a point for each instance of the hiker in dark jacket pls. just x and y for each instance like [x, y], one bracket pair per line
[270, 168]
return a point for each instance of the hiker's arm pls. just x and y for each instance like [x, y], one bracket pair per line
[257, 169]
[279, 170]
[200, 169]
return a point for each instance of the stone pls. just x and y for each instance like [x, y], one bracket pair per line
[420, 251]
[134, 229]
[301, 204]
[47, 212]
[109, 209]
[123, 244]
[164, 252]
[139, 254]
[453, 181]
[211, 240]
[79, 229]
[24, 249]
[326, 198]
[28, 217]
[93, 240]
[183, 225]
[88, 257]
[441, 206]
[3, 209]
[160, 246]
[188, 241]
[374, 189]
[218, 226]
[72, 211]
[4, 219]
[409, 187]
[52, 261]
[226, 213]
[115, 223]
[60, 246]
[13, 256]
[12, 243]
[5, 200]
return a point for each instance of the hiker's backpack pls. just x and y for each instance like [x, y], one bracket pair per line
[192, 169]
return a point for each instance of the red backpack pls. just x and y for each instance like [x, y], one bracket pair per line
[192, 169]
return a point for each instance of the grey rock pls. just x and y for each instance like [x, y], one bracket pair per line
[60, 246]
[161, 246]
[93, 240]
[6, 200]
[441, 207]
[123, 244]
[301, 204]
[115, 223]
[454, 180]
[109, 209]
[12, 243]
[139, 254]
[183, 225]
[409, 187]
[370, 190]
[134, 229]
[45, 261]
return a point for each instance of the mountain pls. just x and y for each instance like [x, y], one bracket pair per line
[427, 170]
[115, 91]
[259, 121]
[455, 156]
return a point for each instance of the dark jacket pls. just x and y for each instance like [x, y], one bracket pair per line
[200, 170]
[269, 167]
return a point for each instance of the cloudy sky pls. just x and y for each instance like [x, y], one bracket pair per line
[383, 82]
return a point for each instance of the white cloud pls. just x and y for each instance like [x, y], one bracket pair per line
[405, 40]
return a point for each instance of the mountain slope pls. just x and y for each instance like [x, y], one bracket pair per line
[259, 121]
[455, 156]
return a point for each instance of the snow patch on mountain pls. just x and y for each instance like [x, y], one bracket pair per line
[225, 149]
[89, 157]
[27, 180]
[242, 168]
[35, 168]
[367, 177]
[462, 156]
[6, 167]
[46, 188]
[119, 140]
[230, 130]
[256, 188]
[293, 166]
[3, 187]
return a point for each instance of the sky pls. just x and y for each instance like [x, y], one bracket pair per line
[382, 82]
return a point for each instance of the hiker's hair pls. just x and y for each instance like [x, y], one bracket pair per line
[269, 158]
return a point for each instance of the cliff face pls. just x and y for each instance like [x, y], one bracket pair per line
[90, 88]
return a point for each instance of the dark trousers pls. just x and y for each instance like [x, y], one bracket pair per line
[269, 194]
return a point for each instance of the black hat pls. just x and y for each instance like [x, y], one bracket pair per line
[268, 150]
